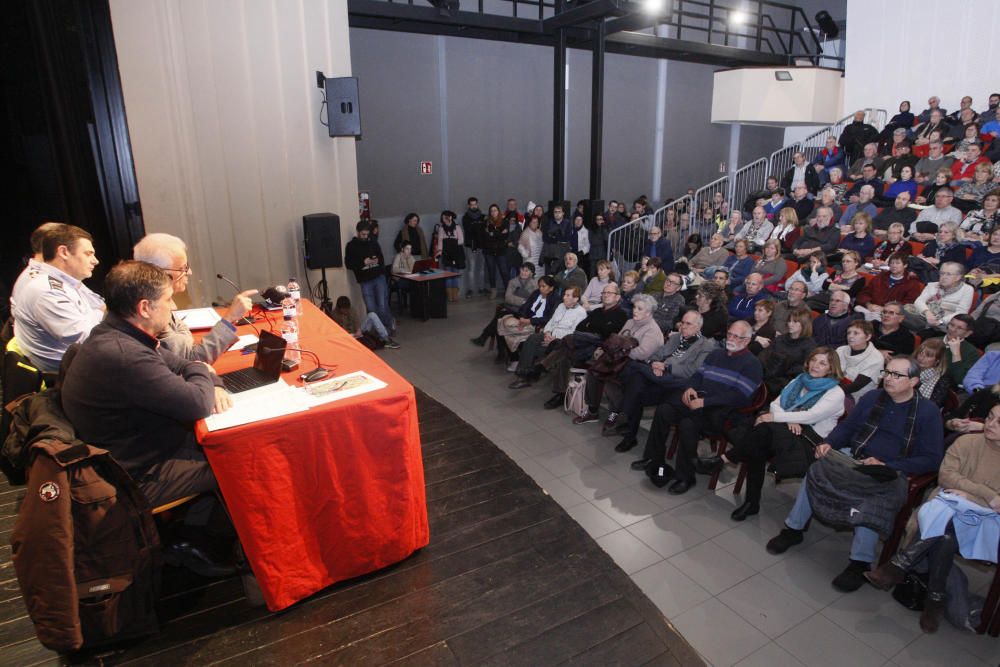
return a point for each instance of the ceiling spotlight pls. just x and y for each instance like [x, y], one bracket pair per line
[653, 6]
[738, 17]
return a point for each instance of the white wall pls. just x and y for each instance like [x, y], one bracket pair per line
[223, 111]
[914, 49]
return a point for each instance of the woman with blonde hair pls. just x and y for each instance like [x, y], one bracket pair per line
[771, 265]
[933, 362]
[786, 229]
[592, 295]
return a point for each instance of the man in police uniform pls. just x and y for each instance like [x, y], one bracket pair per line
[169, 253]
[52, 307]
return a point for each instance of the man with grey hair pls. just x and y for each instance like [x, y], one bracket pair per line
[863, 205]
[869, 156]
[820, 235]
[925, 227]
[933, 104]
[940, 301]
[169, 253]
[936, 159]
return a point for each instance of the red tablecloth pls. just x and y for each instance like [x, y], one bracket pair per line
[330, 493]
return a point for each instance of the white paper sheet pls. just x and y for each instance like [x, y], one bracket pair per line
[242, 342]
[343, 386]
[273, 400]
[198, 318]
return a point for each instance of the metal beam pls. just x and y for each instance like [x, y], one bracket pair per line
[559, 117]
[402, 12]
[591, 11]
[597, 112]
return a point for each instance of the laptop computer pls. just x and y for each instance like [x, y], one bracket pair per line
[422, 265]
[266, 367]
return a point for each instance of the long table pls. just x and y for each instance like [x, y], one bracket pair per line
[327, 494]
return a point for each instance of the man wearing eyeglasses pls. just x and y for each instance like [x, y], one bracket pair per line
[894, 427]
[170, 254]
[725, 382]
[939, 302]
[892, 338]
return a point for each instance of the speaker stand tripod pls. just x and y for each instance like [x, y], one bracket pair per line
[324, 304]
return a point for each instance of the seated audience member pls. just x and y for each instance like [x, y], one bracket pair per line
[733, 227]
[127, 394]
[821, 235]
[830, 156]
[739, 264]
[563, 322]
[571, 274]
[906, 183]
[830, 328]
[692, 246]
[805, 413]
[643, 329]
[836, 184]
[860, 360]
[720, 276]
[795, 296]
[969, 196]
[985, 258]
[893, 245]
[934, 121]
[859, 238]
[800, 172]
[900, 212]
[964, 110]
[827, 197]
[530, 243]
[726, 382]
[863, 205]
[786, 230]
[945, 247]
[52, 307]
[893, 427]
[935, 159]
[783, 359]
[902, 157]
[630, 288]
[984, 373]
[741, 306]
[896, 138]
[578, 347]
[941, 212]
[812, 274]
[801, 202]
[986, 322]
[519, 289]
[659, 247]
[37, 258]
[941, 180]
[869, 156]
[757, 230]
[940, 301]
[960, 354]
[934, 380]
[776, 203]
[771, 266]
[169, 253]
[651, 276]
[602, 277]
[892, 338]
[978, 224]
[969, 477]
[667, 369]
[710, 300]
[343, 315]
[990, 115]
[763, 328]
[402, 263]
[669, 303]
[964, 169]
[897, 284]
[711, 255]
[412, 233]
[870, 178]
[847, 279]
[533, 314]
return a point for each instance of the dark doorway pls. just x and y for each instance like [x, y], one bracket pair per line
[63, 135]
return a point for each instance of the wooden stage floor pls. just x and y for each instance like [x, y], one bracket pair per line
[508, 579]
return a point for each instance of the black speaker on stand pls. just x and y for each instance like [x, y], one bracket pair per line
[323, 250]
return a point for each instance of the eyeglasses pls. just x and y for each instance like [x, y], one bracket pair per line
[609, 293]
[182, 270]
[894, 375]
[736, 336]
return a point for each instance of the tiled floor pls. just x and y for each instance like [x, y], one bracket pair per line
[735, 603]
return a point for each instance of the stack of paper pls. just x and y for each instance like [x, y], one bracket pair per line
[198, 318]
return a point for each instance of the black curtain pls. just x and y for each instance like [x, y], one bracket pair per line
[64, 138]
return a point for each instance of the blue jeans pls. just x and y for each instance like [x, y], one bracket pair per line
[373, 323]
[376, 295]
[454, 281]
[473, 274]
[865, 539]
[496, 267]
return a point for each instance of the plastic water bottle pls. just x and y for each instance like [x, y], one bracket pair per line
[290, 329]
[295, 292]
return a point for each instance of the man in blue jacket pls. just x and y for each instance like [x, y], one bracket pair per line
[894, 427]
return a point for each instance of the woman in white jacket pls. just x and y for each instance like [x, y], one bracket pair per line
[862, 363]
[563, 322]
[813, 274]
[798, 420]
[530, 245]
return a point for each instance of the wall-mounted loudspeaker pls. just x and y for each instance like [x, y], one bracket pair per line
[321, 233]
[827, 25]
[343, 110]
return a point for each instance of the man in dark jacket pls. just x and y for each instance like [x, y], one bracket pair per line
[363, 256]
[801, 172]
[855, 135]
[126, 393]
[893, 427]
[830, 328]
[473, 233]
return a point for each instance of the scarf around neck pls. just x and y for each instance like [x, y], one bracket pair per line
[792, 397]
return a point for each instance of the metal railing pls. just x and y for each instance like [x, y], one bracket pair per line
[626, 242]
[747, 180]
[703, 218]
[781, 160]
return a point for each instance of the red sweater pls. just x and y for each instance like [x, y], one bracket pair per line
[877, 290]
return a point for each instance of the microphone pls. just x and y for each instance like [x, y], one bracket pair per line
[235, 286]
[245, 319]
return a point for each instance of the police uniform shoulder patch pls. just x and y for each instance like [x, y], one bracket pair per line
[55, 283]
[48, 491]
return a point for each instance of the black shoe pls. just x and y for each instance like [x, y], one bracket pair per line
[680, 486]
[519, 383]
[480, 341]
[609, 424]
[626, 444]
[555, 401]
[788, 537]
[709, 465]
[186, 555]
[852, 578]
[746, 509]
[640, 464]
